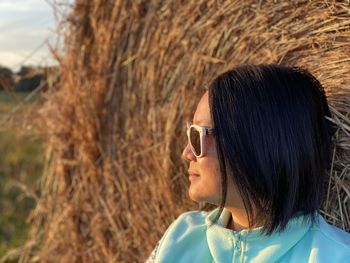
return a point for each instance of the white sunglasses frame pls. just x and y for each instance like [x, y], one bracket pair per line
[203, 131]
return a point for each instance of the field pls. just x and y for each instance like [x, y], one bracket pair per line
[21, 165]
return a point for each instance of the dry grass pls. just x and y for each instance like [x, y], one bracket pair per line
[131, 75]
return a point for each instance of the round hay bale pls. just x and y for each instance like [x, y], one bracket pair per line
[131, 74]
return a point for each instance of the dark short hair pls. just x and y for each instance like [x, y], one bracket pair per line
[273, 140]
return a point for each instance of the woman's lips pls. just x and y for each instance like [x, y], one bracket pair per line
[193, 176]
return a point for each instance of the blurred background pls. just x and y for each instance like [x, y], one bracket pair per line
[27, 32]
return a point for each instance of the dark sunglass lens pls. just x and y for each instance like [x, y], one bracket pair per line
[195, 140]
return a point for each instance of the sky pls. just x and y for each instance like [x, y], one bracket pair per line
[26, 28]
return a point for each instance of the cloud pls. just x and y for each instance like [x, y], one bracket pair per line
[7, 58]
[23, 5]
[24, 25]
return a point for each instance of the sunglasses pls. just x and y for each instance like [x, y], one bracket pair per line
[196, 135]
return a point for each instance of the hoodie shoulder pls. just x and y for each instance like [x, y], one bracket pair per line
[335, 234]
[187, 228]
[187, 222]
[331, 243]
[193, 217]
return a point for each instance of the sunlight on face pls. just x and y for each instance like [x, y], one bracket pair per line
[205, 186]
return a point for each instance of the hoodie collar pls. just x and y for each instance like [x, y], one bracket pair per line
[221, 240]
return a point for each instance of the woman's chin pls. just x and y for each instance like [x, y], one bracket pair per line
[198, 198]
[195, 196]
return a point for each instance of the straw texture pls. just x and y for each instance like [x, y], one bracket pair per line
[131, 75]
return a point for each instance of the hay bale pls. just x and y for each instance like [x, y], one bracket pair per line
[132, 74]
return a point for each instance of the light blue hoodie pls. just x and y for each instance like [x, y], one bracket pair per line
[190, 239]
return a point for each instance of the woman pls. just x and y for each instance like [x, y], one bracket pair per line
[259, 149]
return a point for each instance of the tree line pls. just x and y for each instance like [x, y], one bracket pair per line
[27, 78]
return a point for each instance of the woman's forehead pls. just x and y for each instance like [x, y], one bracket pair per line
[202, 113]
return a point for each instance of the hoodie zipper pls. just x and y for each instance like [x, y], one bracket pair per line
[238, 248]
[237, 242]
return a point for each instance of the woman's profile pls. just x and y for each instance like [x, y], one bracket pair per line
[259, 149]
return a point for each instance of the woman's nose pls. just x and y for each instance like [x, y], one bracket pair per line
[187, 154]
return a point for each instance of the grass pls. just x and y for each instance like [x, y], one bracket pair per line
[21, 165]
[11, 98]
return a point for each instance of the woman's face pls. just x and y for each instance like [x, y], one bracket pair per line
[205, 185]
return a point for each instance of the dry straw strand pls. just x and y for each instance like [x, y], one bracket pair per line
[131, 74]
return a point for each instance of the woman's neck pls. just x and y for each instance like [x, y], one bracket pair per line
[235, 225]
[238, 219]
